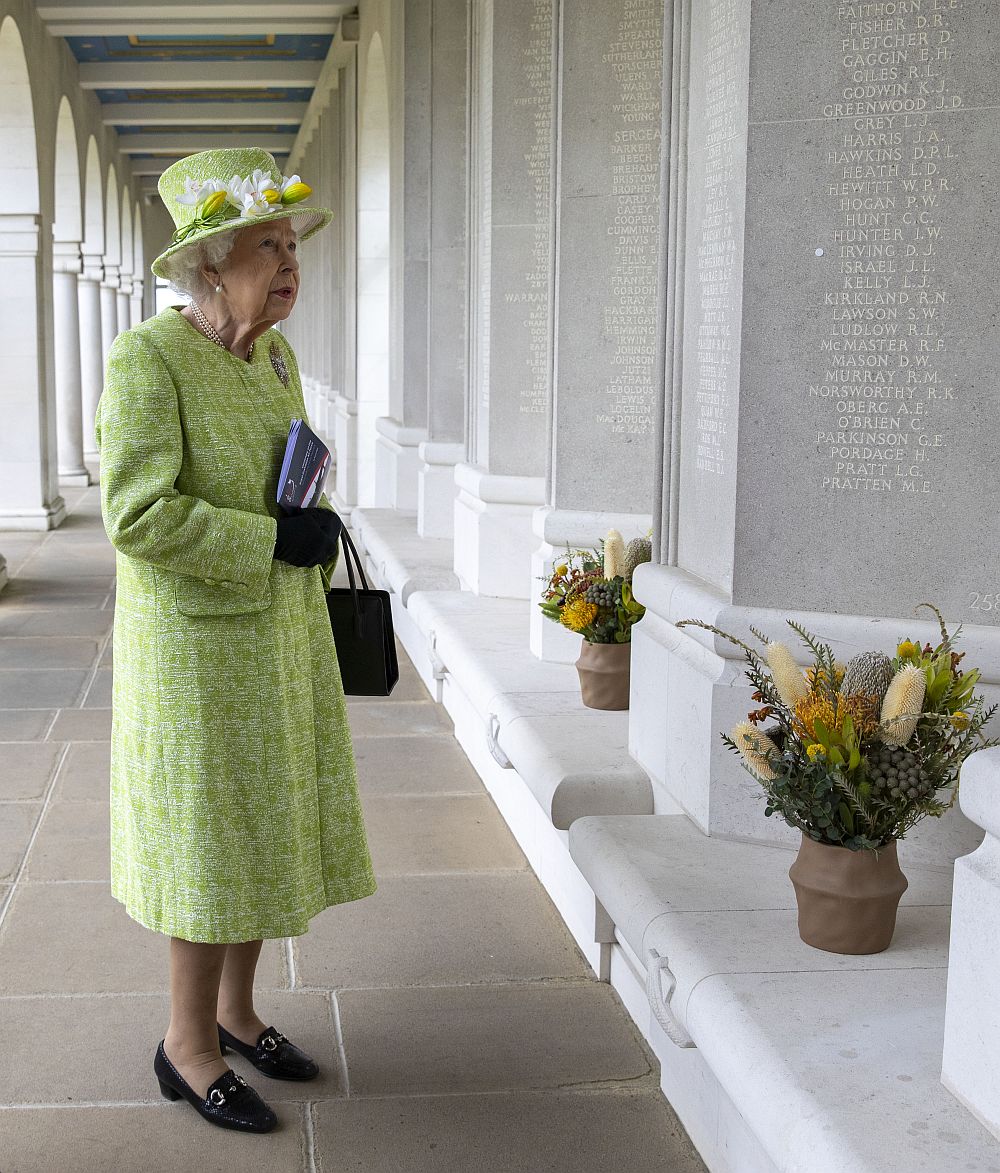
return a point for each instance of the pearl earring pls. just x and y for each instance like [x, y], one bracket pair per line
[218, 288]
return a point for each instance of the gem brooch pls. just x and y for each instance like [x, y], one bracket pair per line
[278, 362]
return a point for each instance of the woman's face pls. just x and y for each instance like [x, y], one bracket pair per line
[260, 276]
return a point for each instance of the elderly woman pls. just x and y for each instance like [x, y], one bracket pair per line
[234, 800]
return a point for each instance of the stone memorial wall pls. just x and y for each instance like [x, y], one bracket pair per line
[609, 213]
[869, 285]
[513, 171]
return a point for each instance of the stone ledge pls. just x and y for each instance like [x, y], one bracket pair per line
[844, 1052]
[573, 759]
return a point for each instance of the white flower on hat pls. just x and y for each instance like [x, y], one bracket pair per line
[254, 195]
[286, 183]
[195, 190]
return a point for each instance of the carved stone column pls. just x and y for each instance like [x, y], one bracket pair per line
[66, 265]
[91, 348]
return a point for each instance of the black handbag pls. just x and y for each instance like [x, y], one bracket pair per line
[362, 630]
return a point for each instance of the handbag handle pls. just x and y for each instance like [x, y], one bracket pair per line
[349, 550]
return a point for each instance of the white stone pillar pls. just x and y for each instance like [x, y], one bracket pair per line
[91, 348]
[135, 303]
[109, 308]
[511, 214]
[609, 317]
[29, 487]
[971, 1066]
[66, 266]
[789, 358]
[124, 298]
[447, 285]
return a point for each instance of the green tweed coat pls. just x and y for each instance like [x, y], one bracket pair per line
[235, 812]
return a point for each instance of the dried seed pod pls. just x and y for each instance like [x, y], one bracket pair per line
[789, 681]
[614, 554]
[904, 700]
[869, 673]
[757, 750]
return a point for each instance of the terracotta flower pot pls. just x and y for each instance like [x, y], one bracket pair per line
[604, 674]
[847, 899]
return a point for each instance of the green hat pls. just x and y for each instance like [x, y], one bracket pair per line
[216, 191]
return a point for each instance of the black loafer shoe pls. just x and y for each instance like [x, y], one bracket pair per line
[273, 1055]
[230, 1103]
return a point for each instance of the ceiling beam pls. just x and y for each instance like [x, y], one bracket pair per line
[205, 26]
[201, 75]
[183, 13]
[203, 113]
[185, 142]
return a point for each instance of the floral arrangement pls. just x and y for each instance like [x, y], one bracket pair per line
[859, 753]
[590, 592]
[216, 202]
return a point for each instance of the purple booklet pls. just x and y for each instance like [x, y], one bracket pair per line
[304, 469]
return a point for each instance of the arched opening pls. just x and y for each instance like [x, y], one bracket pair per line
[29, 497]
[112, 223]
[68, 226]
[67, 231]
[91, 334]
[112, 263]
[373, 258]
[125, 278]
[138, 266]
[93, 203]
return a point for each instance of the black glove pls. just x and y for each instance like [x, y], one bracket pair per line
[308, 537]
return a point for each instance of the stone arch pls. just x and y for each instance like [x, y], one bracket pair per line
[373, 260]
[68, 225]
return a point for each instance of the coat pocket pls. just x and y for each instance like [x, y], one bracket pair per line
[198, 596]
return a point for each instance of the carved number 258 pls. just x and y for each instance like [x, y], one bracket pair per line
[990, 602]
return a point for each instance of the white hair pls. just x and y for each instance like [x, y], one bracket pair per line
[184, 268]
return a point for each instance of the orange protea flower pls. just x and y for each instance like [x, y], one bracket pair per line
[577, 613]
[863, 711]
[817, 677]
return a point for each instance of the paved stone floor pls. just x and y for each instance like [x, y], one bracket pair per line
[458, 1027]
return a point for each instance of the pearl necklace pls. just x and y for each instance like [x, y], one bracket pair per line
[210, 331]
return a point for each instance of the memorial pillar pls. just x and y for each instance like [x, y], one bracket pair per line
[66, 266]
[511, 295]
[345, 427]
[109, 308]
[29, 487]
[828, 439]
[91, 348]
[608, 320]
[396, 460]
[447, 271]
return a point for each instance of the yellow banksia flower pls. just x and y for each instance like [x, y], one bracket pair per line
[788, 679]
[817, 677]
[903, 702]
[813, 707]
[757, 750]
[960, 720]
[213, 203]
[815, 751]
[577, 613]
[296, 192]
[271, 195]
[907, 650]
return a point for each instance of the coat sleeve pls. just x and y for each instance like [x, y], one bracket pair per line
[138, 430]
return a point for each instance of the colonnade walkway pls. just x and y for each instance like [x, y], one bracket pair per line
[458, 1027]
